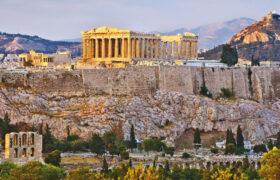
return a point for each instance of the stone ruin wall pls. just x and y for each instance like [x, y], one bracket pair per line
[263, 85]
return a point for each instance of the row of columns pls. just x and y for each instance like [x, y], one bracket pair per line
[143, 48]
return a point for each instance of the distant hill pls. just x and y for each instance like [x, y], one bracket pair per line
[215, 34]
[261, 40]
[18, 43]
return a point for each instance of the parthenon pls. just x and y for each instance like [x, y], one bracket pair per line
[112, 45]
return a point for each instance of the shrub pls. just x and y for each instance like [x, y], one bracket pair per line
[230, 148]
[167, 122]
[204, 91]
[186, 155]
[260, 148]
[214, 150]
[124, 155]
[53, 158]
[227, 93]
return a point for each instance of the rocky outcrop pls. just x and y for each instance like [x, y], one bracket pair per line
[99, 113]
[261, 40]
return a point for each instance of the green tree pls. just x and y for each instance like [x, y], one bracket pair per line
[53, 158]
[132, 143]
[105, 168]
[239, 138]
[186, 155]
[109, 138]
[245, 164]
[229, 55]
[97, 145]
[124, 155]
[113, 149]
[230, 148]
[260, 148]
[230, 137]
[255, 62]
[197, 139]
[48, 140]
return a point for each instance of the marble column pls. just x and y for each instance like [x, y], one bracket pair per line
[84, 49]
[156, 49]
[116, 48]
[159, 49]
[142, 48]
[97, 48]
[180, 49]
[132, 47]
[147, 48]
[184, 50]
[137, 42]
[164, 52]
[152, 48]
[191, 49]
[195, 50]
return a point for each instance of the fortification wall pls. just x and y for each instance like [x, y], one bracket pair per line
[262, 84]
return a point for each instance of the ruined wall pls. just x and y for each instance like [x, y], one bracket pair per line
[260, 84]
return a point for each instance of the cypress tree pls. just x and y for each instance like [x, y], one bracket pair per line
[270, 144]
[166, 167]
[239, 138]
[197, 139]
[227, 137]
[105, 169]
[133, 143]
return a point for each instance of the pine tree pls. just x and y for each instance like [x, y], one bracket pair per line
[132, 143]
[197, 139]
[239, 138]
[166, 167]
[130, 162]
[105, 169]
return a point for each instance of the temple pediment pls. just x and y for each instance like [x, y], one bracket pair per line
[106, 29]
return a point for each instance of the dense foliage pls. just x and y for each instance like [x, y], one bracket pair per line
[229, 55]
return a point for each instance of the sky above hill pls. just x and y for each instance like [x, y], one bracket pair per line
[64, 19]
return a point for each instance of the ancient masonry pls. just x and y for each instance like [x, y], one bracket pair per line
[112, 45]
[23, 146]
[260, 84]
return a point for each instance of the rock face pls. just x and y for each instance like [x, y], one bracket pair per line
[17, 43]
[86, 115]
[259, 84]
[261, 40]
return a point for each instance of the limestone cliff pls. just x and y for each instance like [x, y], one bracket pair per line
[85, 115]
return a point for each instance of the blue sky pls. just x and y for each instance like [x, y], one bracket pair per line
[64, 19]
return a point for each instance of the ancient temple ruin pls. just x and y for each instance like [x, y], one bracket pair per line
[112, 45]
[23, 146]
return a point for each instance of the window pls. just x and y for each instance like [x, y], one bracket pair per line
[24, 152]
[24, 139]
[32, 139]
[32, 152]
[15, 153]
[15, 140]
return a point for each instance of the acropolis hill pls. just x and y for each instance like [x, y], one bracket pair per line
[93, 100]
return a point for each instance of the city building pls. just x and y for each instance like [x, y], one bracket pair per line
[247, 63]
[107, 45]
[44, 60]
[23, 147]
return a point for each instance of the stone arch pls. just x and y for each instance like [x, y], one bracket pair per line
[24, 152]
[221, 164]
[32, 152]
[228, 164]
